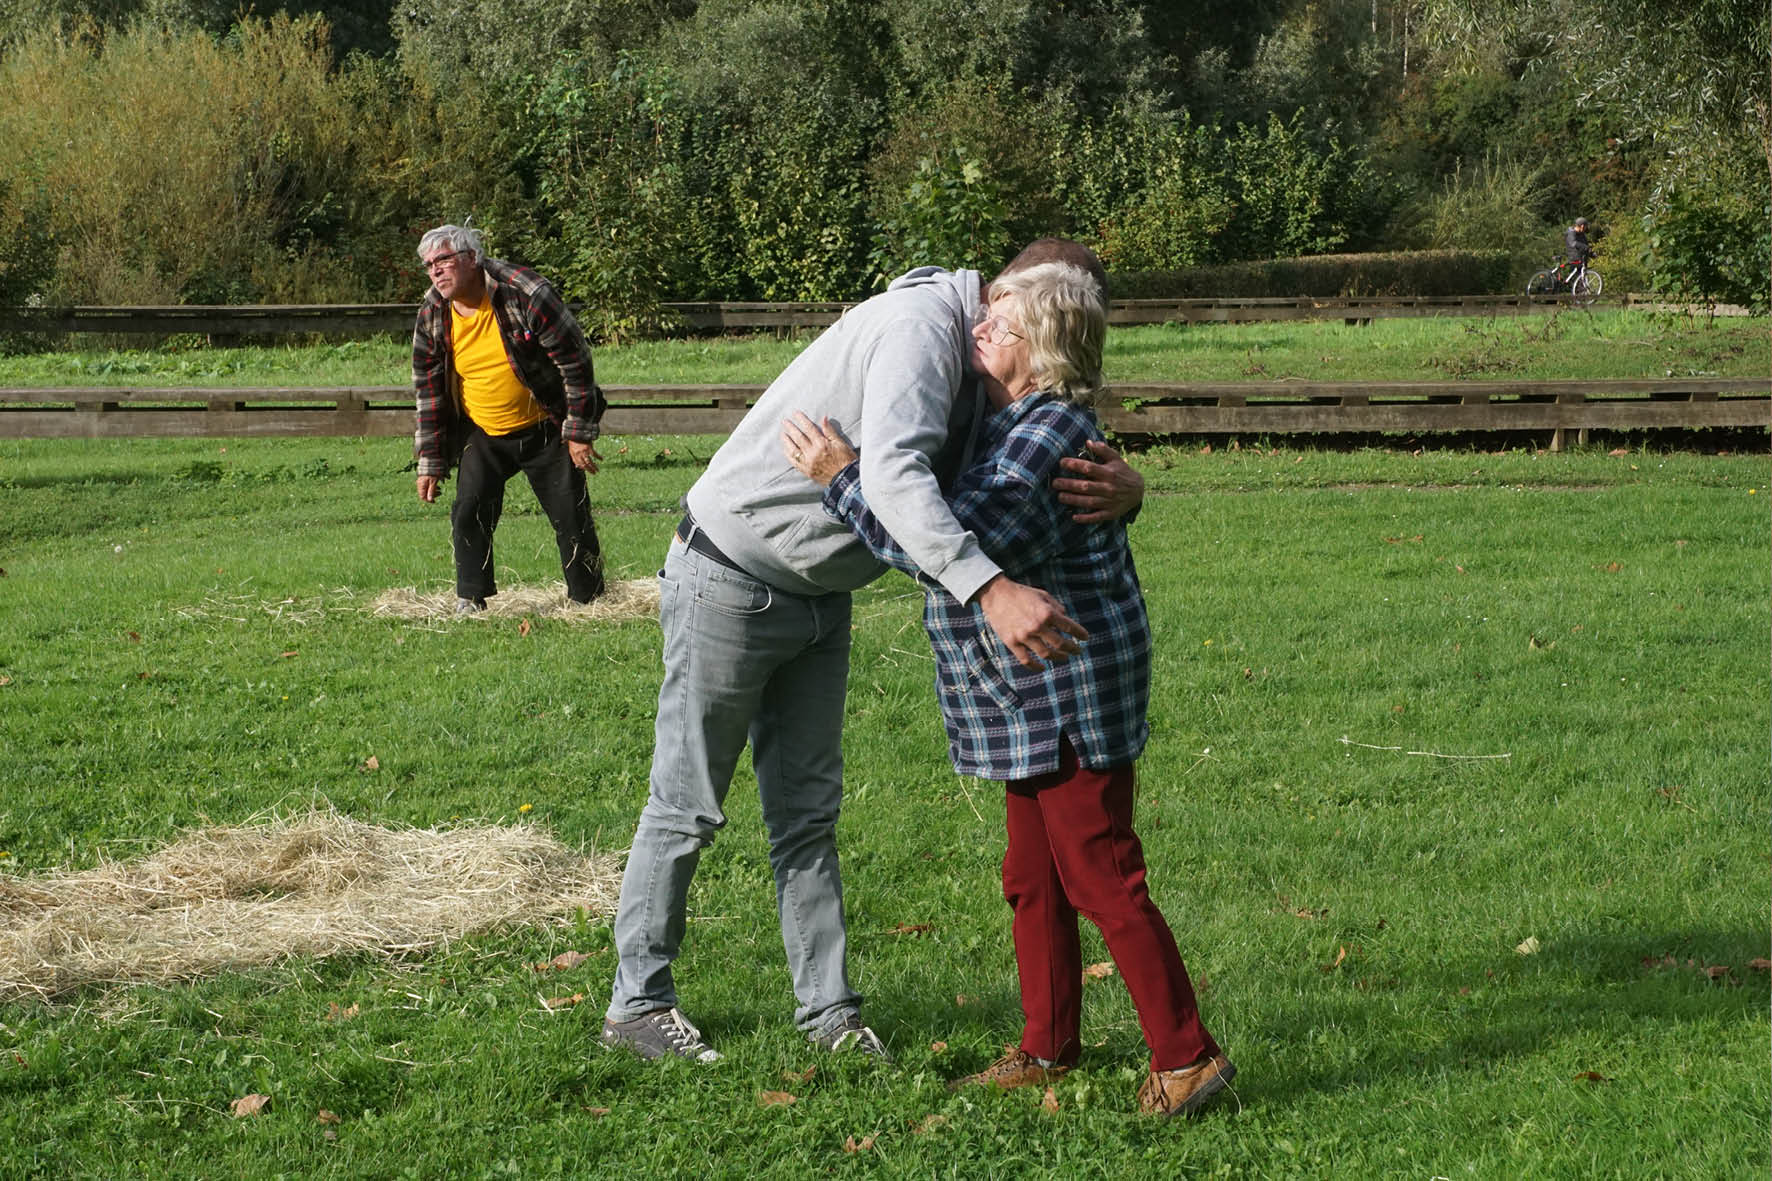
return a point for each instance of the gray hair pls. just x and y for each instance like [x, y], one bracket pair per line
[1064, 318]
[453, 238]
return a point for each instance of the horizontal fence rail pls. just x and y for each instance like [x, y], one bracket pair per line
[397, 318]
[1156, 408]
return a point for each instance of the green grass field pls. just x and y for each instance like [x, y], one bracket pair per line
[1347, 646]
[1601, 344]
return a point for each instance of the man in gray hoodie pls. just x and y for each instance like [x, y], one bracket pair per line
[755, 605]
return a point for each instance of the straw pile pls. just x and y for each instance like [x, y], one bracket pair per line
[633, 598]
[317, 884]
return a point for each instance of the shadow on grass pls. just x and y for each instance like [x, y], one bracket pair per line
[1574, 988]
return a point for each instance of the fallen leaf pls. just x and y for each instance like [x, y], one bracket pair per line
[1049, 1102]
[335, 1013]
[290, 653]
[1760, 965]
[564, 962]
[1340, 955]
[5, 680]
[599, 1112]
[1617, 451]
[524, 627]
[562, 1002]
[329, 1117]
[1458, 568]
[799, 1076]
[913, 929]
[1305, 912]
[247, 1105]
[775, 1099]
[942, 1047]
[1612, 567]
[1099, 971]
[371, 764]
[1591, 1076]
[1528, 946]
[962, 999]
[928, 1124]
[135, 637]
[863, 1145]
[1719, 973]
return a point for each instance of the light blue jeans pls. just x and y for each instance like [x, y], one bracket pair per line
[742, 660]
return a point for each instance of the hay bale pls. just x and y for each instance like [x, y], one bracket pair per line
[625, 599]
[312, 885]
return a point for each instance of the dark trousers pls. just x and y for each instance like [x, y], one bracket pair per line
[1072, 850]
[487, 463]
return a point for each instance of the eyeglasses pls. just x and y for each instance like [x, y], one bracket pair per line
[432, 265]
[997, 331]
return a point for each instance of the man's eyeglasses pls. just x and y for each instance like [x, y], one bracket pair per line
[997, 331]
[433, 265]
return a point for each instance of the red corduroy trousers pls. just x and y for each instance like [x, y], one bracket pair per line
[1072, 851]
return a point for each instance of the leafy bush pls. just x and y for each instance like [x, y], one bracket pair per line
[171, 167]
[963, 178]
[1709, 227]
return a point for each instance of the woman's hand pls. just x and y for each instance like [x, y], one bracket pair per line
[819, 452]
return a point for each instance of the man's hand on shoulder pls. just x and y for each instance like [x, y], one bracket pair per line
[1102, 488]
[1031, 623]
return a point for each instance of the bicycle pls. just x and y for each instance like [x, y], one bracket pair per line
[1580, 282]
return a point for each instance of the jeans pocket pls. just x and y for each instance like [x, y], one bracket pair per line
[729, 592]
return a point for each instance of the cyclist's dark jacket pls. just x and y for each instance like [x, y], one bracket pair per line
[1575, 246]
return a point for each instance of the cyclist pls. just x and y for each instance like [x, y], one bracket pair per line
[1576, 250]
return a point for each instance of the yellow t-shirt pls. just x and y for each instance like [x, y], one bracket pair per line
[490, 392]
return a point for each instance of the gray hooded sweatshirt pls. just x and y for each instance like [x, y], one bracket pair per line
[892, 376]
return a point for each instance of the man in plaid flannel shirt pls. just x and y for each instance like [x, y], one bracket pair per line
[504, 384]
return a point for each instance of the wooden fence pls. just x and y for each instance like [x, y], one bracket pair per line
[369, 319]
[1169, 408]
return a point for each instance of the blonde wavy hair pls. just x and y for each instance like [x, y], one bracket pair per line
[1064, 319]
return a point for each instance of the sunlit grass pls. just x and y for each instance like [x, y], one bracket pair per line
[1549, 671]
[1601, 344]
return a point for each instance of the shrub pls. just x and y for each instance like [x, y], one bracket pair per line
[1709, 226]
[173, 167]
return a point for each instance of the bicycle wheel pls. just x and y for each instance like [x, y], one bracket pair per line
[1543, 283]
[1586, 288]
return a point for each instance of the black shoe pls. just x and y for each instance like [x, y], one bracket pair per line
[660, 1032]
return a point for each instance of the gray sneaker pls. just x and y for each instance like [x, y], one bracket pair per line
[469, 606]
[851, 1036]
[660, 1032]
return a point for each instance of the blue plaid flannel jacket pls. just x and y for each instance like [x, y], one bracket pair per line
[1004, 721]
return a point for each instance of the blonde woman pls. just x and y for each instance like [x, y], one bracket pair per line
[1063, 736]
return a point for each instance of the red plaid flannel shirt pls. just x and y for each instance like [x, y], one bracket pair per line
[547, 351]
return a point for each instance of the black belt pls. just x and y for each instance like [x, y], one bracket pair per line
[696, 539]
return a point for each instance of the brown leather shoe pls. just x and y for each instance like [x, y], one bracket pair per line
[1185, 1091]
[1016, 1068]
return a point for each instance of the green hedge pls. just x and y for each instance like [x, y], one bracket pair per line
[1413, 272]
